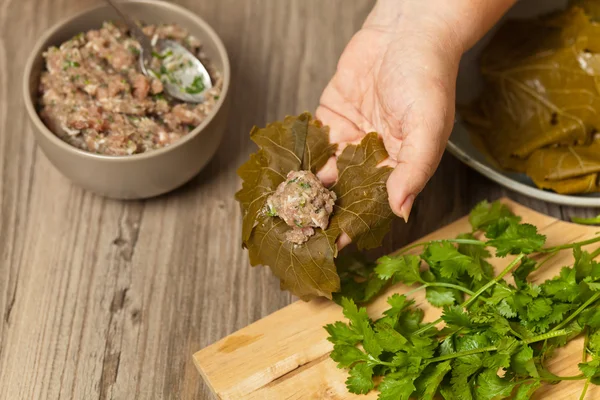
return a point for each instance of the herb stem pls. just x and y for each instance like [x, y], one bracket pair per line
[585, 388]
[577, 312]
[415, 290]
[458, 241]
[450, 286]
[427, 327]
[595, 253]
[491, 283]
[378, 361]
[462, 354]
[440, 284]
[564, 378]
[585, 345]
[534, 339]
[571, 245]
[476, 294]
[545, 260]
[546, 336]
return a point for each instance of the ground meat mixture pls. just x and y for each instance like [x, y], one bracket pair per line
[94, 96]
[303, 203]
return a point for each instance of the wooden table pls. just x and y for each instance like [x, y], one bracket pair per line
[102, 299]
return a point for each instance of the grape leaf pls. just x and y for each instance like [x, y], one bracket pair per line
[361, 210]
[566, 169]
[306, 270]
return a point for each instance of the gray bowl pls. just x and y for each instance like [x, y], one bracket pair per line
[139, 175]
[469, 86]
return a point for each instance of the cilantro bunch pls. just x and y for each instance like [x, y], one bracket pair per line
[496, 336]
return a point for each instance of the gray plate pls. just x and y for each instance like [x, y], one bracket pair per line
[469, 86]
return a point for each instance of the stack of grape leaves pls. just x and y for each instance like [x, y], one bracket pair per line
[539, 112]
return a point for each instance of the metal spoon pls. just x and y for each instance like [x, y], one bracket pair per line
[187, 81]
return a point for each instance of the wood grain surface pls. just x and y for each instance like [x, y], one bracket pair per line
[103, 299]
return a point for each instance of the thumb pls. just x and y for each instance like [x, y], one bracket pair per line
[425, 131]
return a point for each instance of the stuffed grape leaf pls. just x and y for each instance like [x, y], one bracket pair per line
[542, 97]
[361, 210]
[566, 169]
[541, 86]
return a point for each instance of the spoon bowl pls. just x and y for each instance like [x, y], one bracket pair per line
[184, 77]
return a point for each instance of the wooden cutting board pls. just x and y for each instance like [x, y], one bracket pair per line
[285, 355]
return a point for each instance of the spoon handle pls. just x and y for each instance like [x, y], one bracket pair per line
[135, 31]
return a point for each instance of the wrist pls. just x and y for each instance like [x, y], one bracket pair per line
[458, 24]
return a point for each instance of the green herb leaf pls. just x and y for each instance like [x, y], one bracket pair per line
[490, 386]
[590, 369]
[402, 268]
[526, 390]
[396, 389]
[510, 237]
[347, 355]
[197, 86]
[485, 214]
[341, 333]
[456, 316]
[440, 297]
[360, 380]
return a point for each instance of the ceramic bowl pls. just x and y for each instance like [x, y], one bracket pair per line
[140, 175]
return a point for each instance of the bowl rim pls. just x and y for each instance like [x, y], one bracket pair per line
[509, 183]
[39, 124]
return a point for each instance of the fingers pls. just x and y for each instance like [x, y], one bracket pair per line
[343, 241]
[328, 174]
[426, 128]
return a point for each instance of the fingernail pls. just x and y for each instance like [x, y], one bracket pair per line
[406, 207]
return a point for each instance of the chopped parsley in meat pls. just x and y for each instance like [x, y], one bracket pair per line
[303, 203]
[94, 96]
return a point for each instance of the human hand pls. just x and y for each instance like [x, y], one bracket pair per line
[397, 76]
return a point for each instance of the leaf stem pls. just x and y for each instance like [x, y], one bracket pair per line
[577, 312]
[415, 290]
[564, 378]
[585, 345]
[450, 286]
[546, 336]
[545, 260]
[571, 245]
[475, 295]
[458, 241]
[491, 283]
[534, 339]
[595, 253]
[585, 388]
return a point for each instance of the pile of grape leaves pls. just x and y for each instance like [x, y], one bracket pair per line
[361, 209]
[496, 337]
[539, 112]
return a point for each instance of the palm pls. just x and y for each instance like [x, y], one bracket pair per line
[402, 89]
[354, 103]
